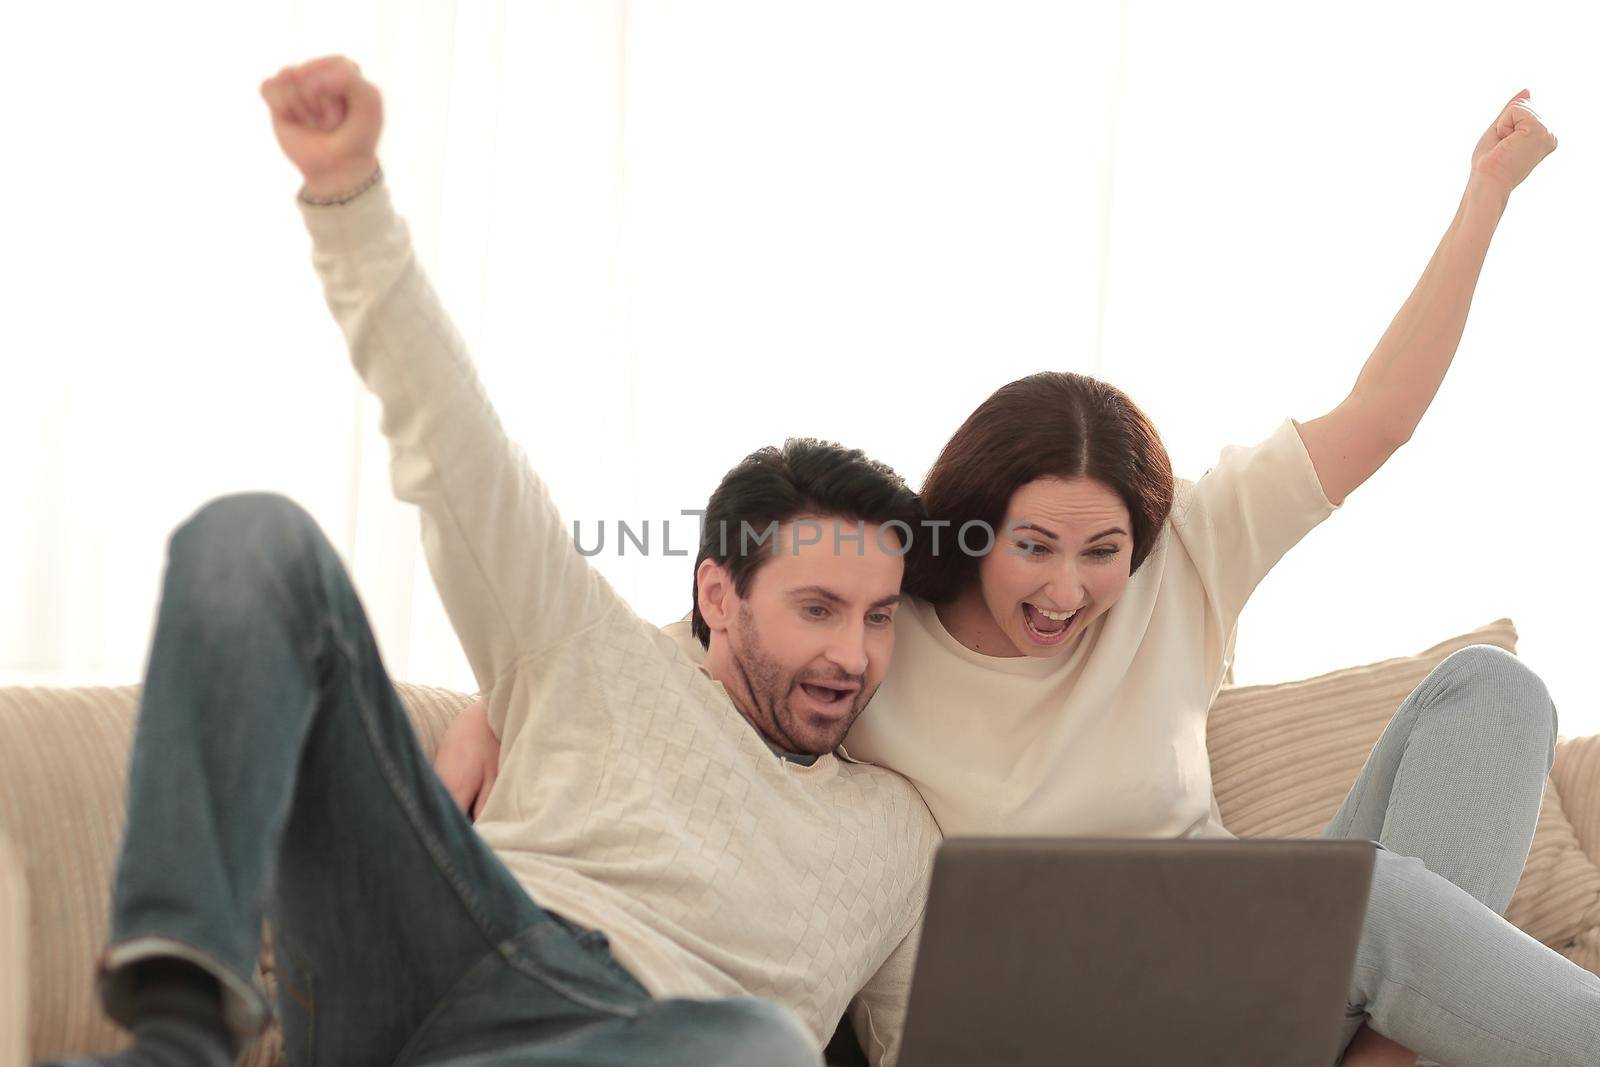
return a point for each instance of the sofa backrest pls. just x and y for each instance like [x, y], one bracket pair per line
[1283, 757]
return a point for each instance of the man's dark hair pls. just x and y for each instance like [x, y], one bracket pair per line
[772, 486]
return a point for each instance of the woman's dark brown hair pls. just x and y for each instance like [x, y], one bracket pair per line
[1051, 424]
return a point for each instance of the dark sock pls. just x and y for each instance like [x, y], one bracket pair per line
[177, 1010]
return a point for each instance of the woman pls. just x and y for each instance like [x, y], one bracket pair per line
[1059, 683]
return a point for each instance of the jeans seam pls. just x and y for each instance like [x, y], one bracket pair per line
[406, 801]
[287, 950]
[329, 633]
[1419, 994]
[511, 958]
[1366, 785]
[1437, 680]
[615, 969]
[581, 1031]
[544, 928]
[450, 997]
[607, 959]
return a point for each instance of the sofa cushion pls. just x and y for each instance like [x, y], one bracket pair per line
[1572, 897]
[1283, 757]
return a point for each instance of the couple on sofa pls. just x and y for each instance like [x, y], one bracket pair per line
[696, 852]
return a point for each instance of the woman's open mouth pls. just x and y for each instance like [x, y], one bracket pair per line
[1047, 627]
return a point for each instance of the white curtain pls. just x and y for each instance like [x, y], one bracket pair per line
[672, 233]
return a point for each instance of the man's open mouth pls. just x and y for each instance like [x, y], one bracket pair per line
[829, 696]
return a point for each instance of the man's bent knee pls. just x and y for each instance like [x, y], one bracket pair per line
[243, 550]
[237, 515]
[269, 523]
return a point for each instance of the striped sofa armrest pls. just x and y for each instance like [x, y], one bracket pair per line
[13, 957]
[63, 783]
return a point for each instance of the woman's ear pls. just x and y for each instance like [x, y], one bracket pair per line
[714, 590]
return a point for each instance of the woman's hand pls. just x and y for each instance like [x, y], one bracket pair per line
[1510, 149]
[327, 119]
[468, 759]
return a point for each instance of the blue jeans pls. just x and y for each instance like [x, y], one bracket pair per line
[1451, 793]
[274, 769]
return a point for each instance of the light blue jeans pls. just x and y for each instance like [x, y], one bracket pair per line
[275, 770]
[1451, 793]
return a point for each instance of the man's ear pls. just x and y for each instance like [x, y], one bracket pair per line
[714, 591]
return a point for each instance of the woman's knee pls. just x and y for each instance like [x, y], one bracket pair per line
[1501, 687]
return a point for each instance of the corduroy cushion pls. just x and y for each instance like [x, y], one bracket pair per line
[1283, 757]
[63, 796]
[1562, 894]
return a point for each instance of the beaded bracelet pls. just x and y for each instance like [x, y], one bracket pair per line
[342, 198]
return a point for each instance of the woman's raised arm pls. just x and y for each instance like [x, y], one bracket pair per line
[1400, 379]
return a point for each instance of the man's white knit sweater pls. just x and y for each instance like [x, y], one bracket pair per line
[633, 797]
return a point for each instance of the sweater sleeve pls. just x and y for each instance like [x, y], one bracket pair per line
[878, 1011]
[508, 573]
[1237, 521]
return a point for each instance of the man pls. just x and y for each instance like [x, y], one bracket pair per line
[675, 868]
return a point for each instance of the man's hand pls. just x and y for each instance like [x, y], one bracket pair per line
[327, 118]
[468, 759]
[1510, 148]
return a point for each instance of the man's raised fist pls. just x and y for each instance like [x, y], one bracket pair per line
[327, 118]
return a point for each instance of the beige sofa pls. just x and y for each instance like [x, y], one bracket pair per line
[1283, 758]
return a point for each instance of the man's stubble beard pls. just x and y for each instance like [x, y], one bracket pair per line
[769, 689]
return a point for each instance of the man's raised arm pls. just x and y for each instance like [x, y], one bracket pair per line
[507, 571]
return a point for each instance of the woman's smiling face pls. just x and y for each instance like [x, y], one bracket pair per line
[1064, 547]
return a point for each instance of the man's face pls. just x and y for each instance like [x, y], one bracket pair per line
[803, 653]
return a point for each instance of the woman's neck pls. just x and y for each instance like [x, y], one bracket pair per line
[967, 619]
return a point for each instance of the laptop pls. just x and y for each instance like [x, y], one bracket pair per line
[1141, 952]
